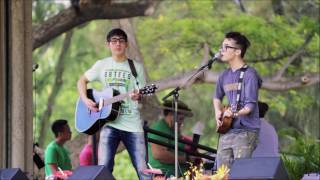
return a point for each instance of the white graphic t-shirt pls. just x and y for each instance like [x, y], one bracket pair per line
[118, 76]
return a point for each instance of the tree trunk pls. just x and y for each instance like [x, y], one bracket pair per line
[277, 7]
[45, 117]
[239, 2]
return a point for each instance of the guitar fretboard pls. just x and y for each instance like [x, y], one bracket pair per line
[115, 99]
[147, 90]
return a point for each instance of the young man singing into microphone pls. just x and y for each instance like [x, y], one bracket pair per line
[240, 84]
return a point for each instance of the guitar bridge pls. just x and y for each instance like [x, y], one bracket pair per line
[100, 104]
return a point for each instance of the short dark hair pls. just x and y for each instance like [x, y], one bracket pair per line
[58, 126]
[240, 40]
[117, 32]
[263, 108]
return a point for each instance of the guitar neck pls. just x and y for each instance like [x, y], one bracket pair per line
[117, 98]
[147, 90]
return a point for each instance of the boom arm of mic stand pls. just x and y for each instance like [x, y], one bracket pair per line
[209, 64]
[177, 89]
[173, 92]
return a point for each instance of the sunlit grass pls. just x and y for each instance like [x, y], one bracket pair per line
[123, 168]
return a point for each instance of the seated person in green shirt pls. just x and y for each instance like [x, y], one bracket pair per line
[56, 155]
[161, 157]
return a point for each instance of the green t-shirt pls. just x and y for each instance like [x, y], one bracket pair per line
[117, 75]
[56, 154]
[166, 168]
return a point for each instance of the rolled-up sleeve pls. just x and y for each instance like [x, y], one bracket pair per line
[92, 74]
[219, 94]
[251, 86]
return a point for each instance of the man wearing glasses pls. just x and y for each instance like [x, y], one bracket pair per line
[242, 95]
[115, 72]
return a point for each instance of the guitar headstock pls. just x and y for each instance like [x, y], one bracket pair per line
[148, 90]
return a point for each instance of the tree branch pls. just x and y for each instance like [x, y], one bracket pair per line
[69, 18]
[281, 56]
[268, 84]
[296, 82]
[206, 54]
[239, 2]
[294, 56]
[203, 62]
[179, 80]
[277, 7]
[45, 116]
[271, 59]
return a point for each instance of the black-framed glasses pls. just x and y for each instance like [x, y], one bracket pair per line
[225, 48]
[116, 40]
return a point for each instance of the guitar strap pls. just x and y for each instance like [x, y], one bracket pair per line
[240, 81]
[133, 70]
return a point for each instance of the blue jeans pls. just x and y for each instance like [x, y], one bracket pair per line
[134, 143]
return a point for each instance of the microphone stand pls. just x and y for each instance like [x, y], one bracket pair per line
[94, 149]
[175, 94]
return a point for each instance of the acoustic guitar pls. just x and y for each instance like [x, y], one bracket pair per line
[109, 102]
[226, 122]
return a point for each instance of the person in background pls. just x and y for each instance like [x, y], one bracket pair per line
[268, 145]
[38, 161]
[57, 157]
[86, 154]
[161, 157]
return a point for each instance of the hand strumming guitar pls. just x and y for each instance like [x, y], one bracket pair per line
[228, 113]
[90, 104]
[225, 120]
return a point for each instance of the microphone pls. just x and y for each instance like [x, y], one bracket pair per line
[213, 59]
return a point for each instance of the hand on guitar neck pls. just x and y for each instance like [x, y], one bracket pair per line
[135, 95]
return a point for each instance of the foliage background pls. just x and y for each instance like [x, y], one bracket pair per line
[171, 42]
